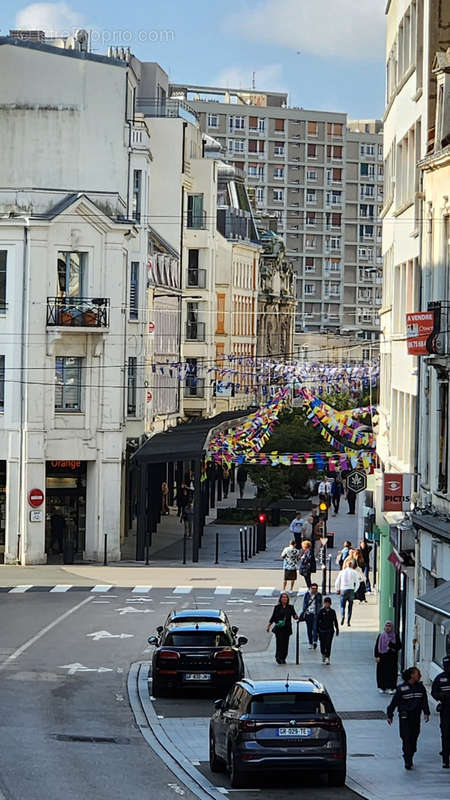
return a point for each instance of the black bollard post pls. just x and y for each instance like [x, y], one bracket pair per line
[374, 566]
[329, 574]
[241, 542]
[297, 644]
[254, 539]
[217, 549]
[147, 548]
[249, 535]
[245, 544]
[184, 547]
[105, 552]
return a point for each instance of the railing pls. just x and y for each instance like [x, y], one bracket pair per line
[196, 220]
[78, 312]
[195, 331]
[196, 278]
[170, 107]
[194, 387]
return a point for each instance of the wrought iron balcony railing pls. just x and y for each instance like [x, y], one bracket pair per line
[78, 312]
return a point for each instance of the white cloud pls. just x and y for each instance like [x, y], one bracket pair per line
[268, 77]
[53, 18]
[352, 29]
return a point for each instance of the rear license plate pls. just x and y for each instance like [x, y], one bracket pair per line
[294, 731]
[197, 676]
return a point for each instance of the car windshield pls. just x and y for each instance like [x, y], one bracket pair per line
[197, 639]
[290, 703]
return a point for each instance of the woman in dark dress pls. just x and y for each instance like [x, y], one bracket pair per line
[387, 646]
[365, 551]
[281, 620]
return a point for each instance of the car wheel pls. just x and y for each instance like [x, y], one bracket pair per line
[216, 764]
[237, 778]
[336, 777]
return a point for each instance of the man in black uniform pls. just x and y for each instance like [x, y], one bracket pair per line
[410, 699]
[440, 690]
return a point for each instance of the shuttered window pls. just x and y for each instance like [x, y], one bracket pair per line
[134, 290]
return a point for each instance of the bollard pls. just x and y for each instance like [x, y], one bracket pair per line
[18, 549]
[245, 544]
[374, 567]
[241, 542]
[249, 529]
[329, 574]
[297, 644]
[254, 539]
[105, 552]
[184, 547]
[147, 548]
[217, 549]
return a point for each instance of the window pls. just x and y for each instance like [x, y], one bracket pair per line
[310, 242]
[312, 150]
[333, 243]
[310, 218]
[366, 210]
[134, 290]
[252, 145]
[2, 383]
[310, 265]
[213, 120]
[333, 264]
[70, 271]
[334, 198]
[278, 195]
[67, 383]
[334, 152]
[278, 173]
[3, 280]
[334, 175]
[310, 288]
[311, 196]
[220, 314]
[131, 386]
[259, 195]
[278, 150]
[194, 276]
[253, 123]
[311, 174]
[195, 213]
[368, 149]
[236, 145]
[367, 190]
[333, 220]
[252, 170]
[335, 129]
[367, 170]
[334, 289]
[366, 231]
[261, 125]
[137, 194]
[312, 128]
[443, 449]
[366, 253]
[279, 124]
[236, 123]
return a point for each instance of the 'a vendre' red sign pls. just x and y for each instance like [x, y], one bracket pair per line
[419, 326]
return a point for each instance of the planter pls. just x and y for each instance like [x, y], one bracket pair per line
[90, 318]
[65, 318]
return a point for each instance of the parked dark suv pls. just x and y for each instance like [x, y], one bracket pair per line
[196, 654]
[271, 725]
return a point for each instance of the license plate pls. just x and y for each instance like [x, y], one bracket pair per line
[294, 731]
[197, 676]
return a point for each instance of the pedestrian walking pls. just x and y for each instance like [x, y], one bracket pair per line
[347, 583]
[386, 650]
[343, 554]
[337, 490]
[297, 528]
[241, 478]
[57, 529]
[183, 498]
[307, 562]
[281, 619]
[360, 593]
[440, 691]
[410, 699]
[187, 516]
[164, 498]
[365, 551]
[226, 477]
[312, 603]
[325, 490]
[327, 626]
[351, 500]
[290, 556]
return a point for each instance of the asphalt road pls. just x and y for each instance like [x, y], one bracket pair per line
[66, 728]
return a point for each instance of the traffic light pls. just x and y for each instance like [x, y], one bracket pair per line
[323, 510]
[261, 531]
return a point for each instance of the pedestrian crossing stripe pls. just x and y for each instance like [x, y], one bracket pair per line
[141, 589]
[182, 590]
[20, 589]
[60, 587]
[265, 591]
[102, 589]
[223, 590]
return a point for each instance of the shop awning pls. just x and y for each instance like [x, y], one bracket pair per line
[435, 605]
[186, 441]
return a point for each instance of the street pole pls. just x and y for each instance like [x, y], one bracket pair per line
[324, 560]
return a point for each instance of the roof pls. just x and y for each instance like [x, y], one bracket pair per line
[433, 523]
[60, 51]
[201, 613]
[435, 605]
[306, 685]
[442, 61]
[163, 242]
[201, 625]
[188, 440]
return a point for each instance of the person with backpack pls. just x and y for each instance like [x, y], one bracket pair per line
[343, 554]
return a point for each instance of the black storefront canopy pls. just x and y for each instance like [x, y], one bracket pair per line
[435, 605]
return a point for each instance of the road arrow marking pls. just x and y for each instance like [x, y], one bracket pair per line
[105, 635]
[73, 668]
[131, 610]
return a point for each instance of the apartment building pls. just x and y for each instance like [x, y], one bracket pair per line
[323, 178]
[415, 31]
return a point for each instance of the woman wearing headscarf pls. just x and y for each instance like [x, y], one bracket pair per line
[387, 646]
[281, 619]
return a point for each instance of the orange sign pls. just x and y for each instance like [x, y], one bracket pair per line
[66, 464]
[419, 326]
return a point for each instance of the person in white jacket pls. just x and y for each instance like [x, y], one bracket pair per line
[347, 582]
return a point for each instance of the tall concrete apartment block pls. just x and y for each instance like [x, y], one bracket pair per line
[322, 176]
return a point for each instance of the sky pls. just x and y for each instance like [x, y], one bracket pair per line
[327, 54]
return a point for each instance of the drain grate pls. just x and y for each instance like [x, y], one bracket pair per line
[362, 715]
[62, 737]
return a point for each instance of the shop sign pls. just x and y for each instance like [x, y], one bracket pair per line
[397, 491]
[35, 497]
[419, 327]
[395, 560]
[65, 464]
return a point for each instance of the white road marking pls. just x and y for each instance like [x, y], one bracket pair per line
[74, 668]
[223, 590]
[105, 635]
[182, 590]
[131, 610]
[119, 698]
[61, 587]
[239, 600]
[265, 591]
[141, 589]
[102, 587]
[139, 600]
[20, 589]
[101, 602]
[177, 789]
[37, 636]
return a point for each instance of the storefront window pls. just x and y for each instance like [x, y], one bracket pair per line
[65, 506]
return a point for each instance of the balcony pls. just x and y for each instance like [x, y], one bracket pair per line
[194, 387]
[88, 313]
[196, 220]
[196, 278]
[172, 107]
[140, 139]
[195, 331]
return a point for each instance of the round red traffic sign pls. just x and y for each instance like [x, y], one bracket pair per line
[35, 497]
[151, 327]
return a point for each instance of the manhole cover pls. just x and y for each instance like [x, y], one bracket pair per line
[362, 715]
[62, 737]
